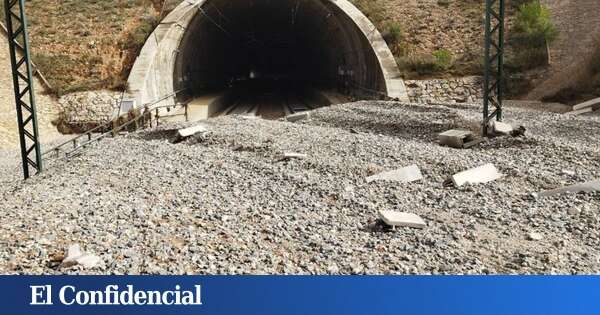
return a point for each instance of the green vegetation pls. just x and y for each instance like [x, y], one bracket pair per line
[532, 32]
[422, 65]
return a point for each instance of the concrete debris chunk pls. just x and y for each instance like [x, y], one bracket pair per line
[191, 131]
[535, 236]
[455, 138]
[73, 253]
[404, 175]
[89, 261]
[298, 116]
[76, 257]
[292, 155]
[580, 111]
[501, 128]
[587, 187]
[479, 175]
[593, 104]
[402, 219]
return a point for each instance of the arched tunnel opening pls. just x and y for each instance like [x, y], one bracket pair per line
[275, 57]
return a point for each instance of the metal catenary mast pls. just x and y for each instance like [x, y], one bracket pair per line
[16, 24]
[494, 62]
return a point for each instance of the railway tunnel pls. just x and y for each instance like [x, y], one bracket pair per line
[266, 57]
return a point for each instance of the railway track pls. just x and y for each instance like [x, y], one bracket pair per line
[267, 105]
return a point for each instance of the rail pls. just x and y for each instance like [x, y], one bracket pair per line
[115, 126]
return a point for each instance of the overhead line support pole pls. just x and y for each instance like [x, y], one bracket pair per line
[493, 91]
[18, 42]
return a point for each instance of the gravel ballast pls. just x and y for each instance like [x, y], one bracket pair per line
[225, 203]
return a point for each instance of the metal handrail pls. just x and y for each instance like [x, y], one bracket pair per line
[147, 108]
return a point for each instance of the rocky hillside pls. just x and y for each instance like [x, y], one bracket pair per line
[84, 45]
[47, 106]
[574, 71]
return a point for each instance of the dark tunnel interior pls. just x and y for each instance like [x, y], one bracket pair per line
[285, 49]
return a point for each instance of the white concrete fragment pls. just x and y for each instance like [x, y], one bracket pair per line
[293, 155]
[402, 219]
[501, 128]
[479, 175]
[455, 138]
[573, 189]
[593, 104]
[534, 236]
[404, 175]
[188, 132]
[568, 172]
[76, 257]
[298, 116]
[580, 111]
[89, 261]
[73, 253]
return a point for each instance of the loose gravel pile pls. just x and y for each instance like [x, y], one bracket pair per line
[224, 203]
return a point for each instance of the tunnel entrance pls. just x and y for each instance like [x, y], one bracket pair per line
[268, 57]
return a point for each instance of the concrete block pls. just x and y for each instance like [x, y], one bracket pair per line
[501, 128]
[593, 104]
[293, 155]
[188, 132]
[580, 111]
[402, 219]
[479, 175]
[298, 116]
[404, 175]
[455, 138]
[587, 187]
[534, 236]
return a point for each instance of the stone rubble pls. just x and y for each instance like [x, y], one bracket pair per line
[404, 175]
[147, 206]
[81, 111]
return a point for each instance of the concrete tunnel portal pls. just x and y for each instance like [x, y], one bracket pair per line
[265, 57]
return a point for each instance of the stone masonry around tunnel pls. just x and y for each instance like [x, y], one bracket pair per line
[204, 45]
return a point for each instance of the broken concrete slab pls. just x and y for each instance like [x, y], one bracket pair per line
[191, 131]
[402, 219]
[501, 128]
[298, 116]
[77, 257]
[580, 111]
[73, 253]
[404, 175]
[89, 261]
[455, 138]
[479, 175]
[593, 104]
[593, 186]
[534, 236]
[292, 155]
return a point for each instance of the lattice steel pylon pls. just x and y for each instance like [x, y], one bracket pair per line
[493, 91]
[16, 24]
